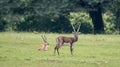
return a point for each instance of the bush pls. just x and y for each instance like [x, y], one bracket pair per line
[109, 23]
[84, 19]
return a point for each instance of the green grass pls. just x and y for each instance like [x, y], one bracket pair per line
[20, 50]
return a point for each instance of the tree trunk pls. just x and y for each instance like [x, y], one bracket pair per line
[118, 21]
[97, 20]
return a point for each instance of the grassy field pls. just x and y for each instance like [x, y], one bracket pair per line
[21, 50]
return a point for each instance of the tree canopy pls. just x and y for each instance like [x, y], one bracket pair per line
[54, 15]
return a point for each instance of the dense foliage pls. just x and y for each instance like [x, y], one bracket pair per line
[96, 16]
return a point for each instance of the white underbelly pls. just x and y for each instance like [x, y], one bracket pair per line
[66, 44]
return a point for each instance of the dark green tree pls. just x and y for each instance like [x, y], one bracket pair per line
[95, 10]
[115, 9]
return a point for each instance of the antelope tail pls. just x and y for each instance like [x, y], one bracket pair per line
[57, 40]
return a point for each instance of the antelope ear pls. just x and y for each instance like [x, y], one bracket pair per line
[73, 32]
[79, 32]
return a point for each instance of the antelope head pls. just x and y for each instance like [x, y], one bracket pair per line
[76, 33]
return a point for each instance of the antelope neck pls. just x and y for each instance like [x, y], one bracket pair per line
[75, 37]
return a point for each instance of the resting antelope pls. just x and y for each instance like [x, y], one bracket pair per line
[45, 44]
[62, 39]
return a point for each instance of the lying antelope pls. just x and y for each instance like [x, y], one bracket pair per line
[45, 44]
[62, 39]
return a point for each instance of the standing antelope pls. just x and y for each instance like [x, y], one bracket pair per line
[62, 39]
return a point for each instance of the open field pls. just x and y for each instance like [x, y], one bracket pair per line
[20, 50]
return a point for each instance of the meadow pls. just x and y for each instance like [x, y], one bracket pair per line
[21, 50]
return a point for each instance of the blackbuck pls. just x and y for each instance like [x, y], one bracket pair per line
[45, 44]
[63, 39]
